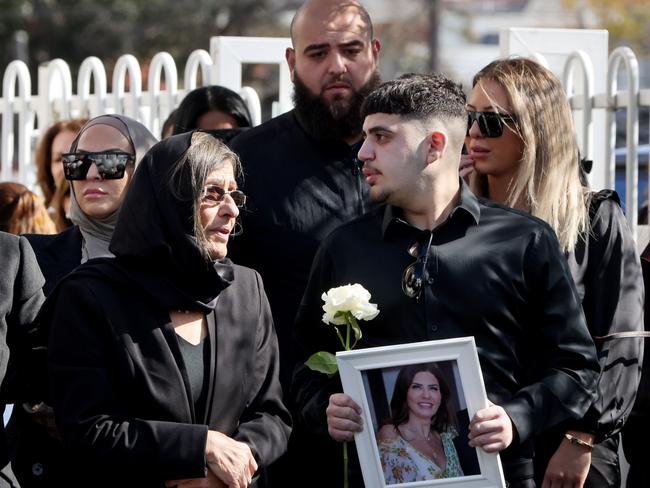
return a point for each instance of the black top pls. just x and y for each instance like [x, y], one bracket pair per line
[197, 362]
[57, 254]
[607, 271]
[121, 390]
[299, 189]
[493, 273]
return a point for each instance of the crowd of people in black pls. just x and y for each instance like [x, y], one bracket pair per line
[160, 337]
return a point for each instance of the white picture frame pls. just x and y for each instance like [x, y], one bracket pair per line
[359, 370]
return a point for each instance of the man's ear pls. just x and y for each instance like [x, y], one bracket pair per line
[437, 143]
[376, 47]
[290, 56]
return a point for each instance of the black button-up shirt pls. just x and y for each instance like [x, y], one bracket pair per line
[493, 273]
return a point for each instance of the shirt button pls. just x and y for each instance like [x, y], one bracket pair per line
[430, 280]
[434, 328]
[37, 469]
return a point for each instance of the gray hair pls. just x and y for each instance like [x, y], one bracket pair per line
[189, 174]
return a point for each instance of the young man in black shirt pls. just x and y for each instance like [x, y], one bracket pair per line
[481, 270]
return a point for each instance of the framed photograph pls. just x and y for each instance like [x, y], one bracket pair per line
[417, 400]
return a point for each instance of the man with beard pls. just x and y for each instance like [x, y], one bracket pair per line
[301, 173]
[302, 176]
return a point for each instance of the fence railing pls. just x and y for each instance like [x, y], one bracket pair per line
[25, 115]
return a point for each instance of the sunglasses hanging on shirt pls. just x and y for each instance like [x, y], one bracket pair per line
[111, 165]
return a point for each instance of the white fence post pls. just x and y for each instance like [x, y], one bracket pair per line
[229, 53]
[159, 106]
[628, 99]
[123, 104]
[16, 73]
[584, 100]
[92, 105]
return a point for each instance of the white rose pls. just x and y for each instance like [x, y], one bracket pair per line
[348, 298]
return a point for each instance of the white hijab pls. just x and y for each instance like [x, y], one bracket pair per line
[96, 232]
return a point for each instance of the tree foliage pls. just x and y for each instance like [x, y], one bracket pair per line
[76, 29]
[628, 22]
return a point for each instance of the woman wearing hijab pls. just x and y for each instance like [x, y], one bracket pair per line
[99, 166]
[173, 374]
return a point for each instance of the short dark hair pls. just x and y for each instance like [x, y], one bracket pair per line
[205, 99]
[417, 96]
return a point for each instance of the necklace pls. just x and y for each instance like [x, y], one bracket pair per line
[426, 437]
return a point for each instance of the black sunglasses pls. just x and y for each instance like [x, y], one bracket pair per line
[489, 123]
[214, 194]
[111, 165]
[415, 273]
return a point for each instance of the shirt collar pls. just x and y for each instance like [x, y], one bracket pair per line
[469, 206]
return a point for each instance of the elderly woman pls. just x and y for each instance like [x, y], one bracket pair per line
[172, 373]
[99, 166]
[523, 152]
[416, 444]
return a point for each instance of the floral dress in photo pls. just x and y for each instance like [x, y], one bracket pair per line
[403, 463]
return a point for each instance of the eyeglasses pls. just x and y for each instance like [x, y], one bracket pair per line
[213, 195]
[489, 123]
[111, 165]
[415, 273]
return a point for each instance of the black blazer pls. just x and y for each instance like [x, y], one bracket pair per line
[57, 254]
[120, 389]
[21, 297]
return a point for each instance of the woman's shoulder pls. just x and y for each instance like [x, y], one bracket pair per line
[387, 433]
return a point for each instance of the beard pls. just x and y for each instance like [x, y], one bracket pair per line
[337, 119]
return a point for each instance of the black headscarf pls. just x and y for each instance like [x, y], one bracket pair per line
[154, 241]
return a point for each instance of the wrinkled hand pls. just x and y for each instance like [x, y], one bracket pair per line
[491, 429]
[232, 461]
[210, 481]
[569, 466]
[466, 166]
[343, 417]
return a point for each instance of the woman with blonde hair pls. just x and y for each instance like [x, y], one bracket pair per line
[523, 153]
[22, 211]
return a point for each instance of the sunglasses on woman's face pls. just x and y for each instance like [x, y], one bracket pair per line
[213, 195]
[489, 123]
[111, 165]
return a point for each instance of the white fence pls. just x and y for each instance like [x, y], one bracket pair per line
[150, 105]
[223, 65]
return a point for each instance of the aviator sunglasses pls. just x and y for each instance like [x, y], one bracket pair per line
[111, 165]
[415, 273]
[489, 123]
[214, 194]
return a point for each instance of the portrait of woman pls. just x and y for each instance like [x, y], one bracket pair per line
[172, 376]
[416, 443]
[523, 153]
